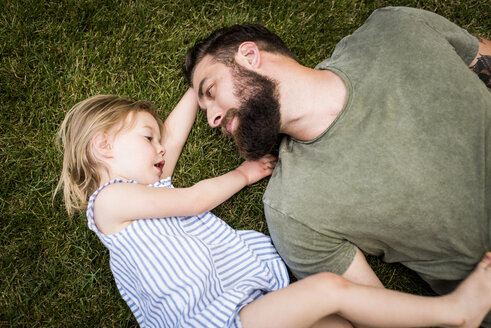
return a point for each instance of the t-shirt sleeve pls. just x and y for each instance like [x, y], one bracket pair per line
[304, 250]
[465, 44]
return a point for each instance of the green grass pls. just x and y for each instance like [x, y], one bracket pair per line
[54, 271]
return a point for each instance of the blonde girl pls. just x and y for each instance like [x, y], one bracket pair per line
[177, 265]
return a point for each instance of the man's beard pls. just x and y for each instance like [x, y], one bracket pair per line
[258, 113]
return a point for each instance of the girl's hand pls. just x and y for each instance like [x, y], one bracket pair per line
[254, 171]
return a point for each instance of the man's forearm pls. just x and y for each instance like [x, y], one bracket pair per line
[482, 63]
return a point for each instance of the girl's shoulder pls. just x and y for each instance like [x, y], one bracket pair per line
[165, 183]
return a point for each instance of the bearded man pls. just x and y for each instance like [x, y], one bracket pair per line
[386, 144]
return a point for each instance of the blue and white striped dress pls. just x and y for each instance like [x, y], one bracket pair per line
[193, 271]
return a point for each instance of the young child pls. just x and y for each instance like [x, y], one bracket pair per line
[177, 265]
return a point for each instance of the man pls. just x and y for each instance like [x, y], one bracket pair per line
[386, 146]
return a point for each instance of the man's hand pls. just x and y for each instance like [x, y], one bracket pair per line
[256, 170]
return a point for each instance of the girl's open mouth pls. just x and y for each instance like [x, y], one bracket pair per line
[160, 165]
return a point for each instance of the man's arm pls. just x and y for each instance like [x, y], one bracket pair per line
[360, 272]
[481, 65]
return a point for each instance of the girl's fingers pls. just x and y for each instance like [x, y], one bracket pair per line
[271, 164]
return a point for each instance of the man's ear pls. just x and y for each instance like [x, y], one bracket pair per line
[102, 145]
[248, 55]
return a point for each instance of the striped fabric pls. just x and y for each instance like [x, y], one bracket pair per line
[191, 271]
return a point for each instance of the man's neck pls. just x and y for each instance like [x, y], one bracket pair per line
[310, 99]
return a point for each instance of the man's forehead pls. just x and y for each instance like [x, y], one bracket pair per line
[201, 67]
[202, 72]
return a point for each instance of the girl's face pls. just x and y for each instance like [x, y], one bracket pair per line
[137, 152]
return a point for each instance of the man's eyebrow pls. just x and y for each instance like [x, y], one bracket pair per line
[200, 89]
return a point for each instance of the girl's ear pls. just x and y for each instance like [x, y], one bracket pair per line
[248, 55]
[102, 145]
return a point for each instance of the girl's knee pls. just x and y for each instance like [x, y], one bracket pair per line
[329, 282]
[327, 289]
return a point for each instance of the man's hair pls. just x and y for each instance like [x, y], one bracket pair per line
[80, 173]
[223, 44]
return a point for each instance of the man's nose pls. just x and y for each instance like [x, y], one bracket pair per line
[214, 116]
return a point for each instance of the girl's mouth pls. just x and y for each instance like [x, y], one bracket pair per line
[160, 165]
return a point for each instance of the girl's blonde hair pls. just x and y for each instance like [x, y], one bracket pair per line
[99, 114]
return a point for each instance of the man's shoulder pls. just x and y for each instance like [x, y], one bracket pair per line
[378, 31]
[388, 17]
[397, 10]
[406, 15]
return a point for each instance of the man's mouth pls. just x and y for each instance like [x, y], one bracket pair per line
[228, 124]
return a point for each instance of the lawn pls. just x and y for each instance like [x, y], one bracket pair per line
[54, 272]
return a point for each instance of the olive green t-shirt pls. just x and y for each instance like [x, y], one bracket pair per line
[402, 172]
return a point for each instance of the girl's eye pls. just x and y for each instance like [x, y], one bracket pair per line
[149, 139]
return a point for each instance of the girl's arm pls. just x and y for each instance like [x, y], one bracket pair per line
[176, 130]
[119, 204]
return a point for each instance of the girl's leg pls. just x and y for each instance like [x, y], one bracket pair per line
[298, 305]
[465, 307]
[333, 321]
[305, 302]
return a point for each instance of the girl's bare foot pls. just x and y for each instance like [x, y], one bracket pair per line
[474, 294]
